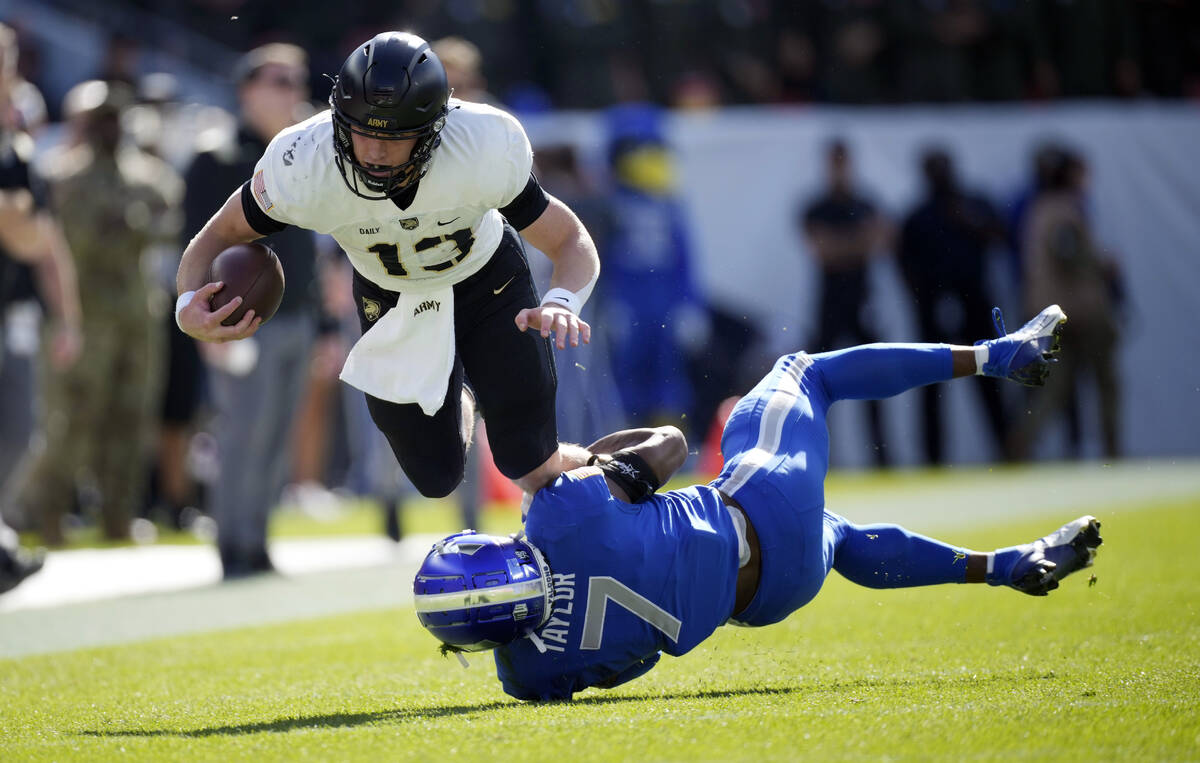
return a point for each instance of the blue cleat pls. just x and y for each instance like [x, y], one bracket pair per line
[1025, 355]
[1035, 568]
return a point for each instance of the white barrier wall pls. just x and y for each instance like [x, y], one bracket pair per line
[745, 171]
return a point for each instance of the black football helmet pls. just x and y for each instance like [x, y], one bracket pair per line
[392, 87]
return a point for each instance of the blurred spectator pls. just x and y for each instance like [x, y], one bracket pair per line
[1042, 162]
[156, 125]
[653, 313]
[687, 46]
[933, 44]
[114, 201]
[1009, 48]
[24, 102]
[590, 55]
[958, 50]
[1048, 159]
[855, 36]
[844, 230]
[371, 469]
[747, 63]
[464, 69]
[34, 267]
[587, 400]
[257, 383]
[26, 234]
[796, 57]
[1168, 36]
[943, 252]
[1094, 47]
[501, 32]
[120, 60]
[1065, 264]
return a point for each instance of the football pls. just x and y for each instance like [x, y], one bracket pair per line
[252, 272]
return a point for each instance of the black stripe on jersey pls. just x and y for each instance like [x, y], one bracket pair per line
[259, 220]
[528, 206]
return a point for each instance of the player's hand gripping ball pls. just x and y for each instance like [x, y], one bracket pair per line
[252, 272]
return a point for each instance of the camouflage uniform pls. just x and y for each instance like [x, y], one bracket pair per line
[98, 415]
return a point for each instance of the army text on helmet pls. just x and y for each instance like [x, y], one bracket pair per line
[392, 87]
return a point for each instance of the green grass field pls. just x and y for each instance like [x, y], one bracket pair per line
[1103, 672]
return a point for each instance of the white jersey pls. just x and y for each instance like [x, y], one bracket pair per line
[450, 230]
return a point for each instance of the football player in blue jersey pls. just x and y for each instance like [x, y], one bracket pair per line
[608, 574]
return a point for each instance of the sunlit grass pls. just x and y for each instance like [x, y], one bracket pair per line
[1103, 672]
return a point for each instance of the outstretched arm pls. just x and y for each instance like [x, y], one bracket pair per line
[559, 234]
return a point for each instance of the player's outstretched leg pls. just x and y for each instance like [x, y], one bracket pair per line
[1024, 355]
[1035, 568]
[889, 556]
[883, 369]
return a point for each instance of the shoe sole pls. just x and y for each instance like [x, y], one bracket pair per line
[1047, 324]
[1083, 536]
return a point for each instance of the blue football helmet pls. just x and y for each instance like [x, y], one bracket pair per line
[477, 592]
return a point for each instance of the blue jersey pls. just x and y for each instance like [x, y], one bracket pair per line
[630, 581]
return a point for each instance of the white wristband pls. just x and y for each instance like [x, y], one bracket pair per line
[184, 300]
[564, 297]
[981, 358]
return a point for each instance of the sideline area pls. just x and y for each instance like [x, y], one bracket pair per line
[93, 597]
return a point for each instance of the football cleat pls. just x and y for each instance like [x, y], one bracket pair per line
[1025, 355]
[1041, 564]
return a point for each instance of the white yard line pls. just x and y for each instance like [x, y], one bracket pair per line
[955, 498]
[97, 597]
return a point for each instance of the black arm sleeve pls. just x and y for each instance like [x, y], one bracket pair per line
[528, 206]
[631, 472]
[259, 220]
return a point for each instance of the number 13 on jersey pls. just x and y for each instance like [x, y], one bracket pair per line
[389, 254]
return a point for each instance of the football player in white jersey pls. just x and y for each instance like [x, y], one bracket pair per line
[425, 194]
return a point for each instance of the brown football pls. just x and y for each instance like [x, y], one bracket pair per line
[252, 272]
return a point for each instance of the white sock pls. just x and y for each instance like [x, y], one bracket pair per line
[981, 357]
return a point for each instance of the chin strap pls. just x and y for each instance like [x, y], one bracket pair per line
[462, 660]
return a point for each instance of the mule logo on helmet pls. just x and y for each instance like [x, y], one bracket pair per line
[408, 223]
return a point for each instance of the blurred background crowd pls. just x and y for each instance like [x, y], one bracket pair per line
[125, 124]
[569, 54]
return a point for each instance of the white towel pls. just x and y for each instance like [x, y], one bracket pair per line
[407, 355]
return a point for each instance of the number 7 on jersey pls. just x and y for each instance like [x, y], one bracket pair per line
[603, 588]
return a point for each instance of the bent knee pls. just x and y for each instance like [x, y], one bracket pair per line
[543, 475]
[437, 483]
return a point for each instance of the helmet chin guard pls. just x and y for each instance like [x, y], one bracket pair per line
[392, 87]
[476, 592]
